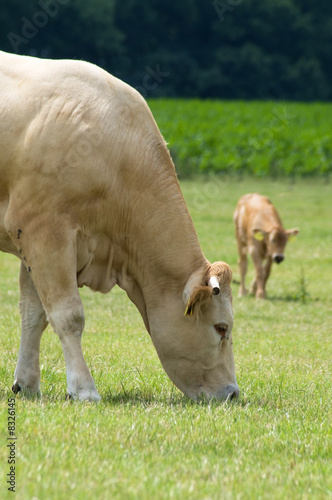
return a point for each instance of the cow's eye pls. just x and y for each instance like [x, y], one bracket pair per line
[221, 329]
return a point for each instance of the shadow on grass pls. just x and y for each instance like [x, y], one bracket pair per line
[131, 397]
[295, 297]
[291, 298]
[286, 298]
[146, 399]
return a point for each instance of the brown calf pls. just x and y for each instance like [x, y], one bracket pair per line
[260, 232]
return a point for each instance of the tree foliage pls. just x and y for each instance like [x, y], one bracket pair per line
[245, 49]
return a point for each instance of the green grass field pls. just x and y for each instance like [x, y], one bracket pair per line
[145, 440]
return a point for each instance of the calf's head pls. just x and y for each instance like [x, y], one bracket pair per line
[193, 335]
[275, 240]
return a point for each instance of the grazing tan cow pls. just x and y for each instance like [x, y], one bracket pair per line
[89, 196]
[260, 232]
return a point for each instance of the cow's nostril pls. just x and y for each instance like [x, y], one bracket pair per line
[278, 258]
[232, 392]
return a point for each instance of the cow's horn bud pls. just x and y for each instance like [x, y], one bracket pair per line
[214, 284]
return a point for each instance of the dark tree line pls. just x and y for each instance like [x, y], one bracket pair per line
[247, 49]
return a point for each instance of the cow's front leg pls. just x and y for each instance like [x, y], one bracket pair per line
[33, 318]
[67, 319]
[48, 247]
[258, 282]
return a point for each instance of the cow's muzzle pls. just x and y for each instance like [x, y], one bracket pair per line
[232, 391]
[278, 258]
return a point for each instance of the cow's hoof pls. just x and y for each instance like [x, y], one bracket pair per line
[16, 388]
[26, 392]
[92, 396]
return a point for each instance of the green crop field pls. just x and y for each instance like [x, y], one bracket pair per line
[145, 440]
[264, 138]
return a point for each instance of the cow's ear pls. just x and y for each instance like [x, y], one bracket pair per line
[199, 295]
[217, 276]
[259, 234]
[196, 291]
[292, 233]
[200, 287]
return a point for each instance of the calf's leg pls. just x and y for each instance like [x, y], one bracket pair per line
[243, 265]
[267, 270]
[253, 286]
[259, 281]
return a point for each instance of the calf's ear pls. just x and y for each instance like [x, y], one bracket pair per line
[292, 233]
[259, 234]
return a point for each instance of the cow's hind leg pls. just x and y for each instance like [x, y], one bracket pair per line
[49, 252]
[33, 320]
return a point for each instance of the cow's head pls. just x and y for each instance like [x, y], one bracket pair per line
[275, 240]
[193, 335]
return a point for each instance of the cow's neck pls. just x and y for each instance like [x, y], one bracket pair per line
[161, 246]
[159, 242]
[145, 241]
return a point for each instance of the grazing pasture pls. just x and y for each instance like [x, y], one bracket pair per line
[145, 440]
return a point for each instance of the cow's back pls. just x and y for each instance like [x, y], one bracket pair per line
[56, 114]
[81, 146]
[70, 131]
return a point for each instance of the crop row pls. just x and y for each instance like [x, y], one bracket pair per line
[261, 138]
